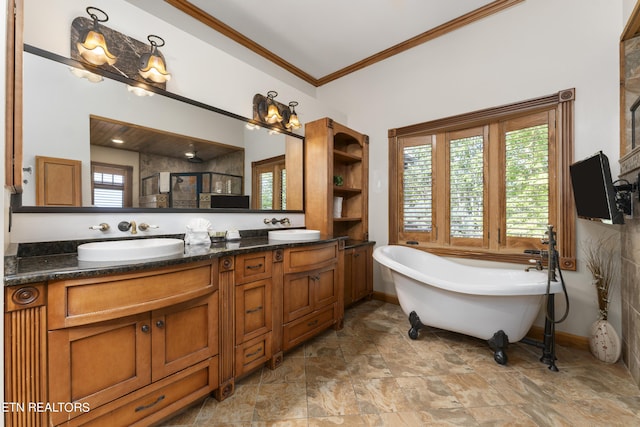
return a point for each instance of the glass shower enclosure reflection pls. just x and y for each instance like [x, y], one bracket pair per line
[193, 190]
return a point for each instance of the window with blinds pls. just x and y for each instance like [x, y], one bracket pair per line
[266, 190]
[110, 185]
[269, 183]
[485, 184]
[527, 181]
[466, 187]
[417, 188]
[283, 189]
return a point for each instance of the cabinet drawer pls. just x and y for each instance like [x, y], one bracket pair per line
[304, 328]
[250, 267]
[82, 301]
[253, 353]
[253, 310]
[310, 257]
[157, 401]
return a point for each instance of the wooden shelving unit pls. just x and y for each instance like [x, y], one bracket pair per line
[334, 150]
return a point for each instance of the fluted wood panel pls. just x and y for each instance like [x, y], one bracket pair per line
[25, 366]
[227, 327]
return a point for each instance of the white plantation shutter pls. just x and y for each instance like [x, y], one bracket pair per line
[283, 189]
[108, 184]
[266, 190]
[417, 188]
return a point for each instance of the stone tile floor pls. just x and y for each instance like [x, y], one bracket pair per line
[371, 374]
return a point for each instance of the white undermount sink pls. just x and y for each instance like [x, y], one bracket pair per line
[126, 250]
[294, 235]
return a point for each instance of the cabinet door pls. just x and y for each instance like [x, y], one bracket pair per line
[297, 296]
[184, 335]
[98, 363]
[348, 277]
[360, 274]
[58, 182]
[253, 310]
[325, 286]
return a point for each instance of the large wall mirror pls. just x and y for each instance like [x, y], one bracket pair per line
[174, 153]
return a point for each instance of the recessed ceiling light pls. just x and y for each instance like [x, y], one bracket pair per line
[117, 141]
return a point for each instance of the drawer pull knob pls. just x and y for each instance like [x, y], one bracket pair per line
[254, 267]
[253, 310]
[258, 351]
[145, 329]
[160, 324]
[313, 323]
[143, 407]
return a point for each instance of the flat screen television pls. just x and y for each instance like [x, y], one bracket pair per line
[593, 190]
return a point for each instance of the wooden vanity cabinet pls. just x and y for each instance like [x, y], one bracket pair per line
[253, 314]
[312, 294]
[358, 273]
[132, 362]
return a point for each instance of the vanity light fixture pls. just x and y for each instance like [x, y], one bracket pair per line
[152, 65]
[267, 110]
[293, 122]
[273, 114]
[92, 45]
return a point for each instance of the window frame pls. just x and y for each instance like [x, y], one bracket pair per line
[127, 173]
[275, 165]
[561, 203]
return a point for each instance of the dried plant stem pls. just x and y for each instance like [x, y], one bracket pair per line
[603, 265]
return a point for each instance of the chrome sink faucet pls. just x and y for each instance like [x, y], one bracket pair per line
[126, 226]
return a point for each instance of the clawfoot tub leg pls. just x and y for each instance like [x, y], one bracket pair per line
[498, 343]
[416, 325]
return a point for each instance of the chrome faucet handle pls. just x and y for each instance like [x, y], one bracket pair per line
[285, 221]
[102, 227]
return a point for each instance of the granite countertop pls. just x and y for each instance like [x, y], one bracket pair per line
[42, 262]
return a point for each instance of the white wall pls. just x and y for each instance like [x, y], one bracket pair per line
[535, 48]
[200, 71]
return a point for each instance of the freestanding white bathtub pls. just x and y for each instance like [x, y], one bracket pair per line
[475, 301]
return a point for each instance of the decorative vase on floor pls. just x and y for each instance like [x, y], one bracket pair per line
[604, 341]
